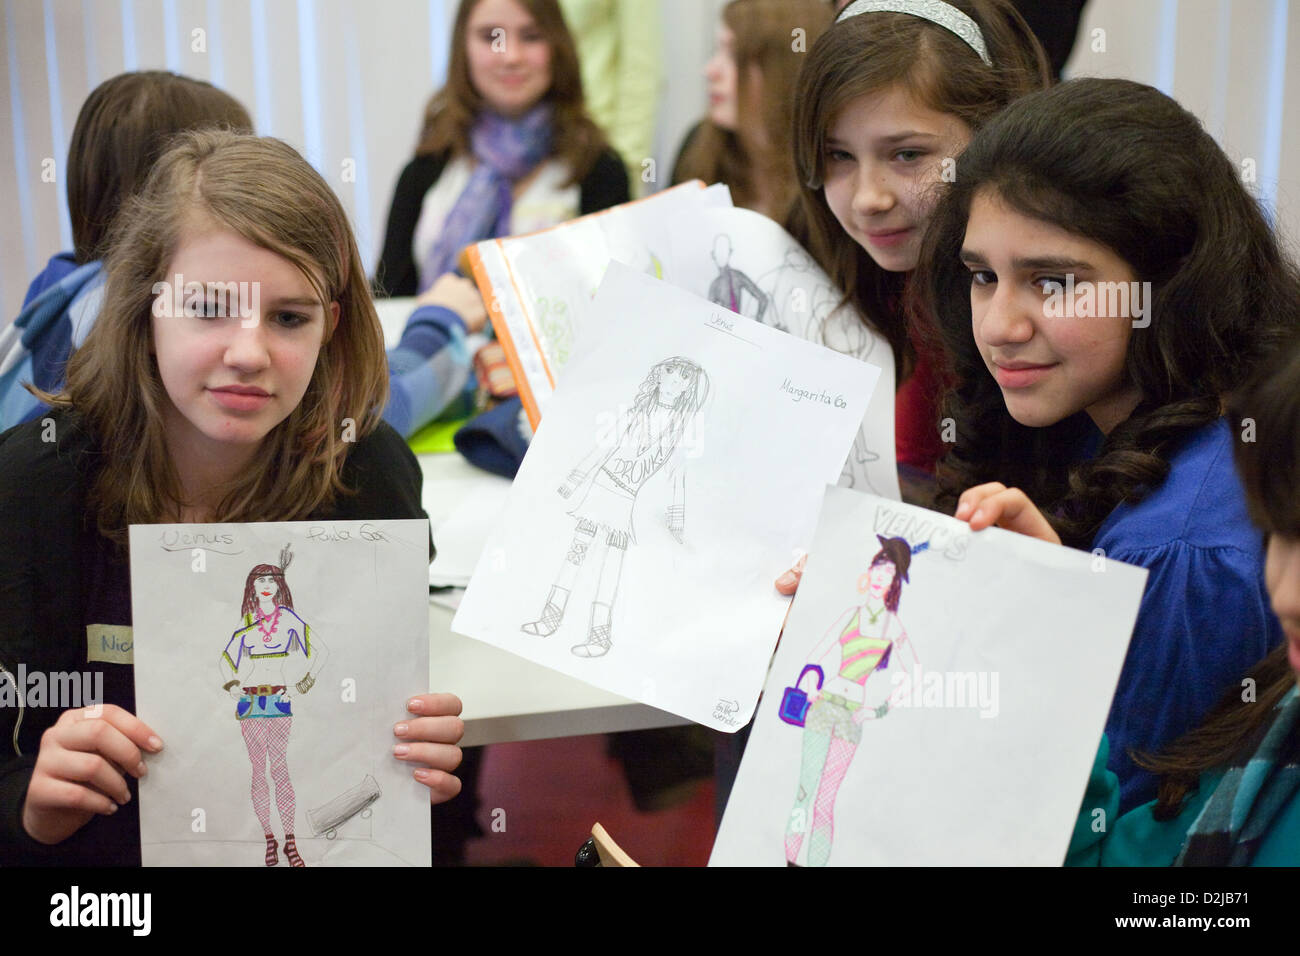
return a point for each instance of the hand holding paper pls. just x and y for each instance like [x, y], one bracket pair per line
[994, 503]
[431, 739]
[79, 769]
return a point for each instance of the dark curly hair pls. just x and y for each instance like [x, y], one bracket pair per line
[1123, 165]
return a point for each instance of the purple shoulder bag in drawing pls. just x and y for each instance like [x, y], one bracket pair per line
[794, 702]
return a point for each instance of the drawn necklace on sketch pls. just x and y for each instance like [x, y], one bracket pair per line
[605, 487]
[273, 645]
[864, 641]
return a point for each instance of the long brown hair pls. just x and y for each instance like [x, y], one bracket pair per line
[1265, 417]
[757, 156]
[451, 112]
[283, 596]
[262, 189]
[866, 54]
[122, 129]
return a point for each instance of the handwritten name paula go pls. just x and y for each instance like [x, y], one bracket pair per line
[817, 398]
[174, 539]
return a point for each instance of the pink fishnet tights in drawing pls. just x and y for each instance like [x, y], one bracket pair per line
[839, 756]
[838, 759]
[267, 738]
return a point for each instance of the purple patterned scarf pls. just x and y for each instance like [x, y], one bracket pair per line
[505, 150]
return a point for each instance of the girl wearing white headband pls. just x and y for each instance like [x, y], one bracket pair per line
[889, 96]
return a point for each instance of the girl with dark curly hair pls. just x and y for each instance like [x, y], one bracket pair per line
[1104, 282]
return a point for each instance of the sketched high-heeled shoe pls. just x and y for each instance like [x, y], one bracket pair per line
[598, 634]
[552, 614]
[291, 851]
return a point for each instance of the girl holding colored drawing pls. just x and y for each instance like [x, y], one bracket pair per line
[1105, 282]
[206, 417]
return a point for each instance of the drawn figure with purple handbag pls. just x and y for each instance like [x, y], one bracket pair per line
[794, 702]
[864, 641]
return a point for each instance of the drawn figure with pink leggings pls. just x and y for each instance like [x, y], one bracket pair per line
[868, 639]
[273, 645]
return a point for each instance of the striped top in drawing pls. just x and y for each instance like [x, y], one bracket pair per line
[859, 654]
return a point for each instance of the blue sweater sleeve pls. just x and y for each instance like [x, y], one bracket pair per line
[428, 369]
[1203, 622]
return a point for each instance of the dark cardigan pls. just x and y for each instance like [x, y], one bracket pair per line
[397, 274]
[44, 532]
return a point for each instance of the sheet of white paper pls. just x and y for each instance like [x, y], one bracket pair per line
[460, 539]
[675, 404]
[544, 281]
[1002, 660]
[359, 600]
[745, 262]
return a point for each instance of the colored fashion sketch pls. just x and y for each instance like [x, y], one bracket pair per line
[866, 641]
[272, 652]
[604, 488]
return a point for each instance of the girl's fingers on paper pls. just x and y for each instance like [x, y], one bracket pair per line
[788, 582]
[56, 809]
[437, 756]
[442, 786]
[135, 729]
[97, 736]
[1011, 509]
[437, 730]
[435, 705]
[970, 500]
[76, 769]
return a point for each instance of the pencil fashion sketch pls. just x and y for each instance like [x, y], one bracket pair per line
[604, 489]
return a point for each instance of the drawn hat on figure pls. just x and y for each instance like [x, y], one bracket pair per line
[897, 551]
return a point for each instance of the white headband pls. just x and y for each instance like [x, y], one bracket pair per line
[936, 11]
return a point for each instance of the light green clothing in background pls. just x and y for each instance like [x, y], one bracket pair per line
[620, 49]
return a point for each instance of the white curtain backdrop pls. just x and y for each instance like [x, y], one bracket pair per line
[346, 83]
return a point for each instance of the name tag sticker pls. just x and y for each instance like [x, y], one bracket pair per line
[109, 643]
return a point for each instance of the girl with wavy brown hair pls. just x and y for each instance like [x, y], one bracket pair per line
[744, 140]
[1105, 282]
[888, 98]
[236, 373]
